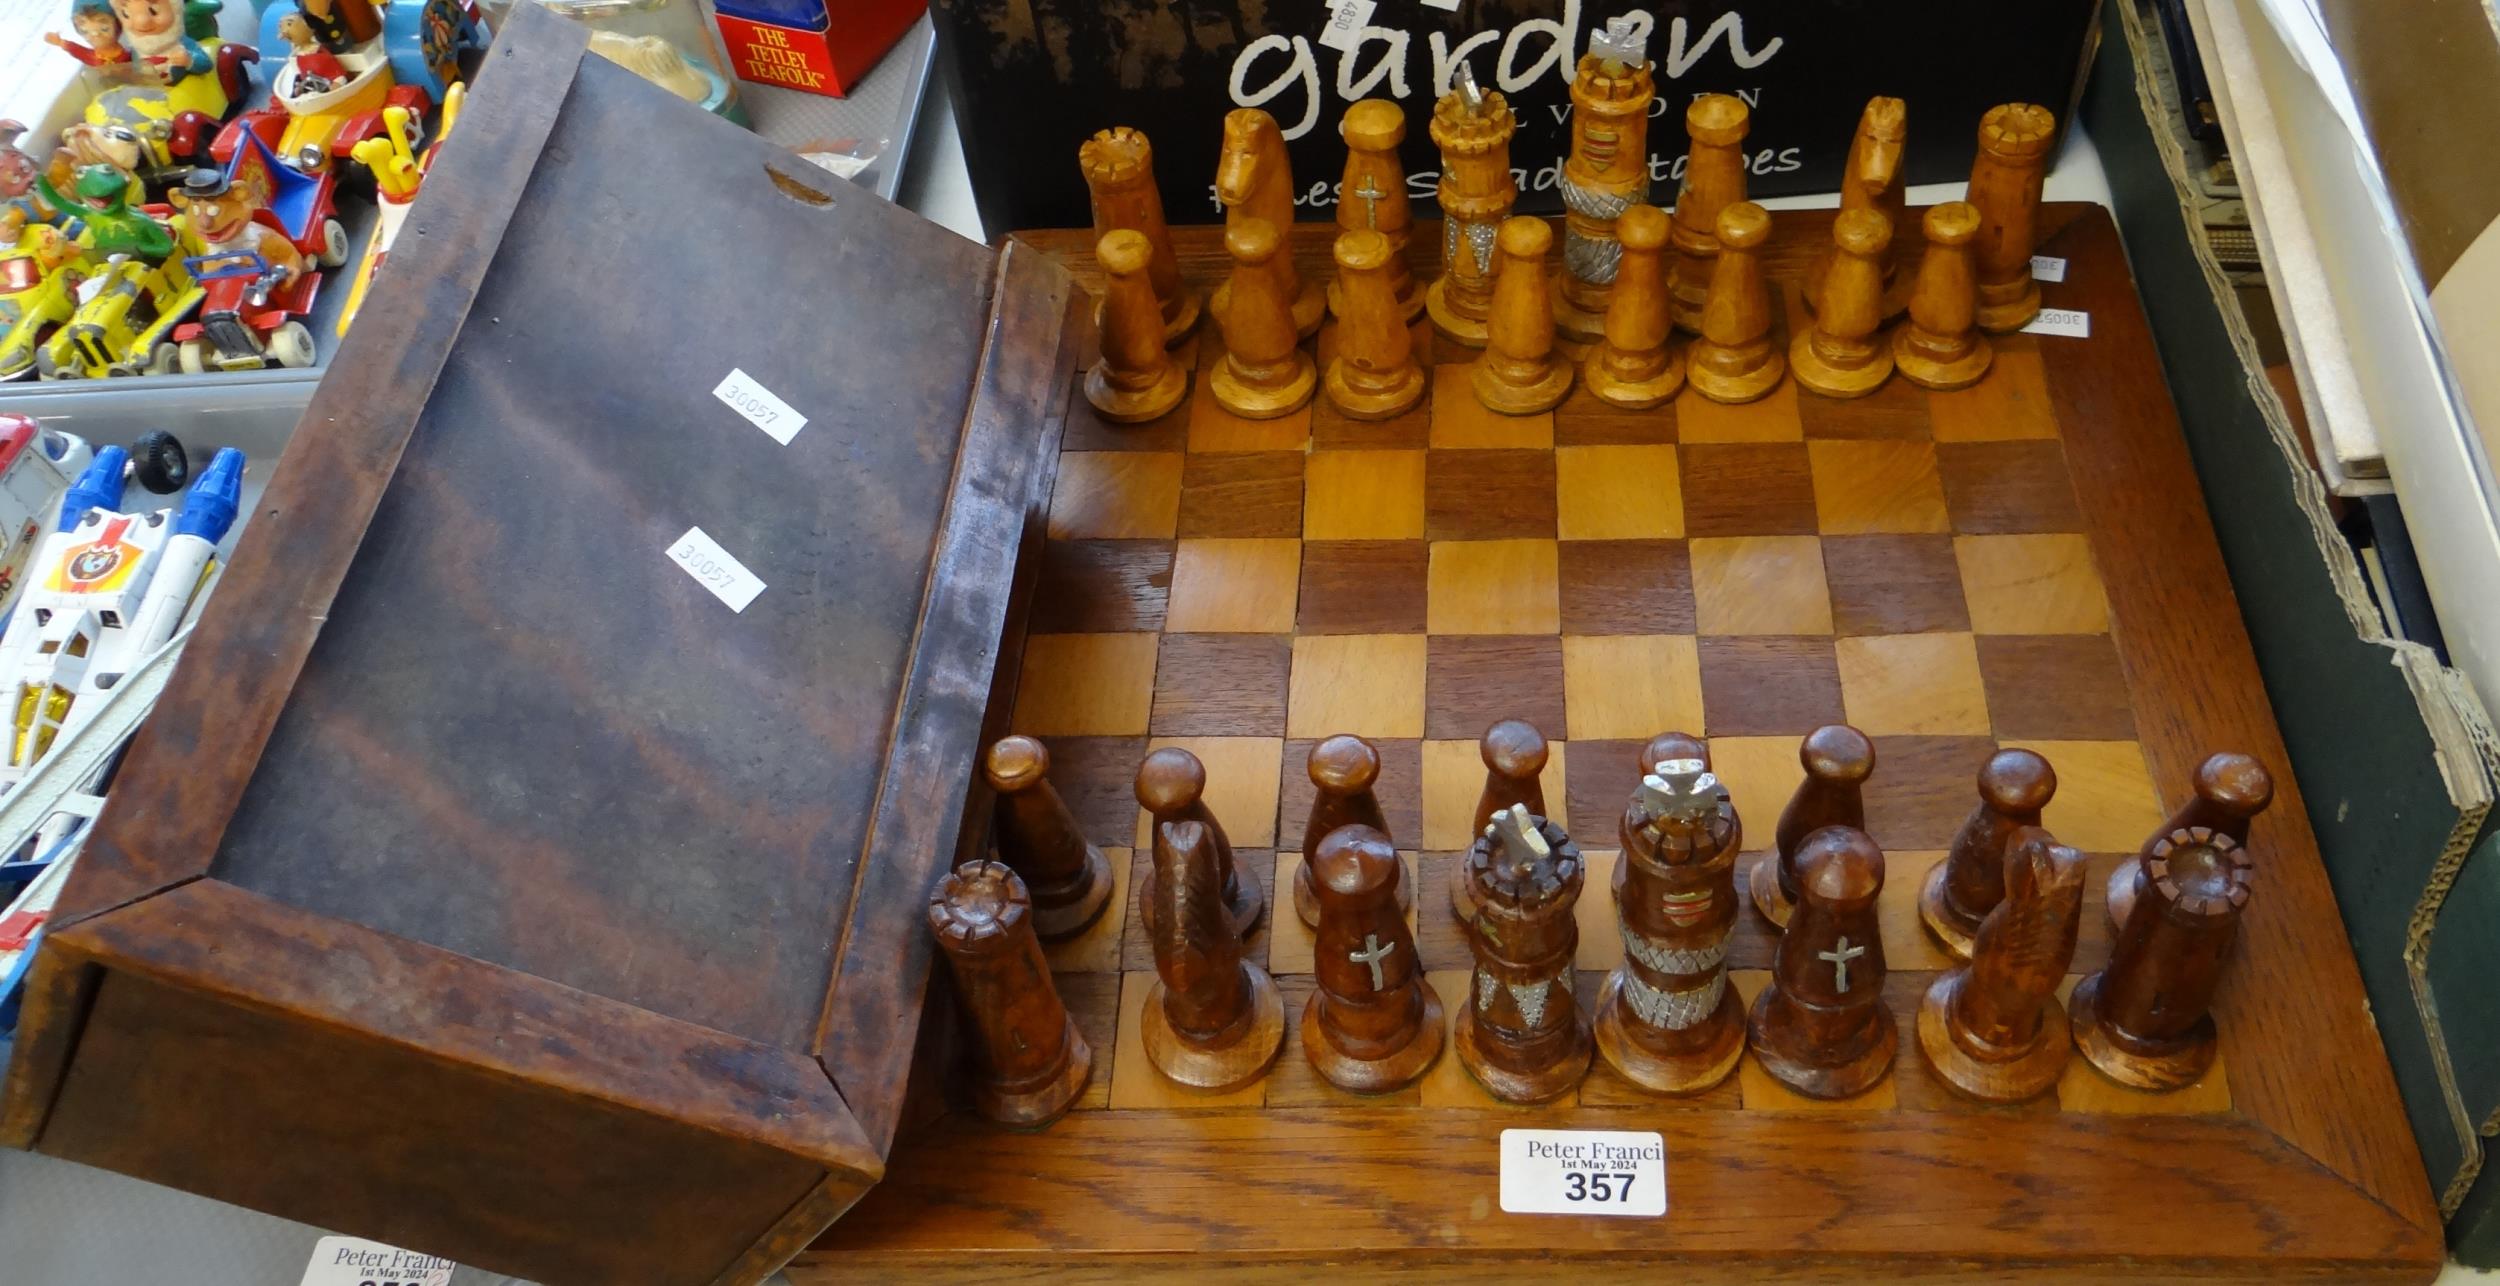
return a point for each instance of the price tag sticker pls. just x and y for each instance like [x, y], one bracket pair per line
[354, 1261]
[2047, 268]
[741, 393]
[714, 569]
[2068, 322]
[1346, 20]
[1584, 1172]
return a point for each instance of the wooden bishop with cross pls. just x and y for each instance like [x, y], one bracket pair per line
[1373, 1024]
[1821, 1027]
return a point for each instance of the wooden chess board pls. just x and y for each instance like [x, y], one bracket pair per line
[2025, 563]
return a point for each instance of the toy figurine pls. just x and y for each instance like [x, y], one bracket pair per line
[220, 214]
[153, 30]
[341, 25]
[39, 275]
[317, 70]
[113, 226]
[95, 23]
[23, 203]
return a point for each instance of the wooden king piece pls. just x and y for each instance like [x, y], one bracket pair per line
[1031, 1061]
[1667, 1020]
[2147, 1020]
[1520, 1034]
[1472, 128]
[1120, 174]
[1993, 1028]
[2005, 184]
[1254, 180]
[1372, 197]
[1607, 171]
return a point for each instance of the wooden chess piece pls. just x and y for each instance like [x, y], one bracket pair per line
[1668, 746]
[1030, 1062]
[1135, 379]
[1344, 769]
[1521, 1034]
[1264, 372]
[1118, 164]
[1514, 754]
[1067, 877]
[1254, 180]
[2014, 785]
[1606, 173]
[1172, 786]
[1373, 1023]
[1212, 1020]
[2005, 185]
[1518, 374]
[1871, 180]
[2146, 1020]
[1714, 180]
[1838, 759]
[1372, 198]
[2230, 790]
[1634, 368]
[1821, 1026]
[1373, 375]
[1473, 129]
[1844, 354]
[1735, 360]
[1941, 347]
[1992, 1028]
[1667, 1020]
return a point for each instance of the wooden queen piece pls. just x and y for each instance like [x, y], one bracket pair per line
[1667, 1019]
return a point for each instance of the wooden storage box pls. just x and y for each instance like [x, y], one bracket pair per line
[486, 885]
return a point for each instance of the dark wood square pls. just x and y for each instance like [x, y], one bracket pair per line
[1400, 790]
[1102, 586]
[1759, 685]
[1922, 789]
[1363, 587]
[1221, 685]
[1584, 421]
[1747, 489]
[1440, 939]
[1598, 785]
[1137, 950]
[1248, 493]
[1626, 587]
[1473, 681]
[1998, 487]
[1489, 495]
[1334, 430]
[1894, 585]
[2055, 687]
[1097, 776]
[1898, 410]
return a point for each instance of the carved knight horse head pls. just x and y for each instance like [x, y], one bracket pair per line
[1253, 175]
[1876, 153]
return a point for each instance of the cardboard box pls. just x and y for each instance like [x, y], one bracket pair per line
[820, 46]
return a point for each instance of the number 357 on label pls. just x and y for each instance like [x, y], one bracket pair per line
[1584, 1172]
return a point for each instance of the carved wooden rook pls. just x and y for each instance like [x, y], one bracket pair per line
[1212, 1020]
[2230, 790]
[1254, 180]
[1373, 1023]
[1942, 347]
[1067, 877]
[1472, 128]
[1993, 1028]
[1521, 1034]
[1838, 759]
[1714, 179]
[1135, 379]
[1735, 360]
[1264, 373]
[1634, 368]
[2014, 785]
[1372, 198]
[1344, 769]
[1514, 755]
[1031, 1061]
[1373, 375]
[1172, 786]
[1871, 180]
[1120, 174]
[1606, 172]
[1518, 374]
[1843, 354]
[2005, 185]
[1667, 1019]
[2146, 1020]
[1821, 1026]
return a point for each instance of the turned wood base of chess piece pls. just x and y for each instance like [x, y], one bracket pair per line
[1036, 1104]
[1768, 897]
[1380, 1075]
[1922, 364]
[1264, 401]
[1541, 1086]
[1932, 912]
[1845, 1080]
[1834, 369]
[1057, 923]
[1447, 321]
[1507, 398]
[2141, 1064]
[1243, 912]
[1237, 1057]
[1616, 379]
[1363, 395]
[1737, 381]
[2006, 307]
[1134, 405]
[1658, 1073]
[1306, 898]
[1988, 1073]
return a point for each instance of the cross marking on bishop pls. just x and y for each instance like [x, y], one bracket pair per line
[1374, 951]
[1370, 193]
[1840, 955]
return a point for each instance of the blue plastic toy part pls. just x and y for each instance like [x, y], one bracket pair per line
[209, 510]
[100, 487]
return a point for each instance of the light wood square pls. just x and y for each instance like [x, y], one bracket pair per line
[1761, 1093]
[1363, 495]
[2106, 801]
[1086, 685]
[1772, 418]
[1877, 487]
[1454, 779]
[1241, 786]
[1097, 950]
[1234, 587]
[1631, 687]
[1459, 420]
[1491, 587]
[2082, 1088]
[1213, 429]
[2013, 402]
[1601, 938]
[1618, 493]
[1913, 684]
[1760, 773]
[1116, 495]
[1908, 947]
[1371, 685]
[2031, 585]
[1136, 1085]
[1447, 1084]
[1760, 585]
[1290, 941]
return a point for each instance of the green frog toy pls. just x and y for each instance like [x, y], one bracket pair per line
[112, 226]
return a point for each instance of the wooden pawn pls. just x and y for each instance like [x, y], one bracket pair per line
[1941, 347]
[1519, 374]
[1264, 373]
[1135, 379]
[1843, 353]
[1735, 360]
[1634, 368]
[1373, 375]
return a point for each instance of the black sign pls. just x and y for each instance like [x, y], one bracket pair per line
[1035, 77]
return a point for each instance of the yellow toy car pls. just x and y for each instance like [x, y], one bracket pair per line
[39, 279]
[125, 326]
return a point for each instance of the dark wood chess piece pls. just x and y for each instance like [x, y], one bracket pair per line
[1514, 755]
[1172, 785]
[1667, 1020]
[1942, 347]
[2005, 184]
[1735, 360]
[2147, 1019]
[1992, 1028]
[1212, 1021]
[1634, 368]
[1838, 759]
[1372, 198]
[1254, 180]
[1373, 375]
[1519, 373]
[1871, 180]
[1843, 354]
[1068, 878]
[1373, 1024]
[1135, 379]
[1344, 770]
[1521, 1034]
[1264, 372]
[1120, 175]
[1030, 1063]
[1821, 1026]
[2230, 790]
[2014, 785]
[1714, 180]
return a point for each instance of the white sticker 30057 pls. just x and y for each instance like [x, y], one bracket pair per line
[740, 392]
[714, 569]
